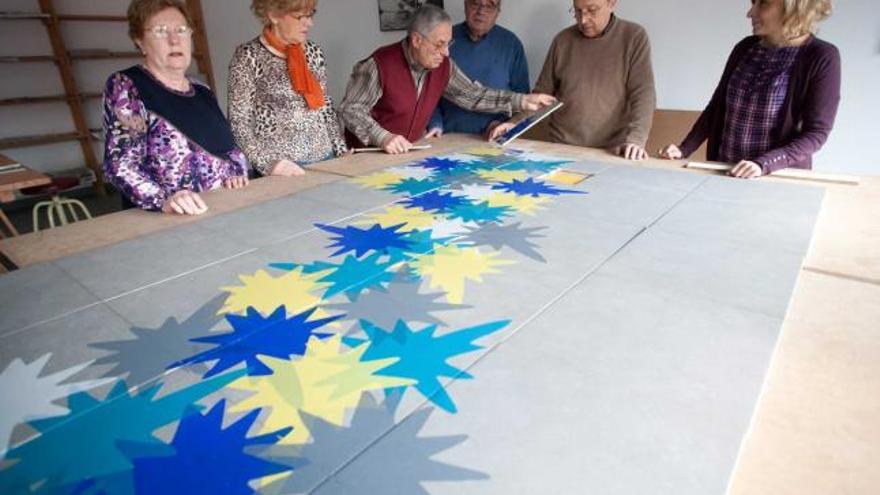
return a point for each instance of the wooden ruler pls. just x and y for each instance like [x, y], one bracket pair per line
[786, 173]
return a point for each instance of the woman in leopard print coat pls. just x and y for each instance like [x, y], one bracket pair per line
[279, 121]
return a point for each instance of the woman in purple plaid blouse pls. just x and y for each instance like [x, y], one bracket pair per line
[776, 101]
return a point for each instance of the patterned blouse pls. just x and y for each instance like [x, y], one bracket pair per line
[755, 94]
[270, 120]
[147, 158]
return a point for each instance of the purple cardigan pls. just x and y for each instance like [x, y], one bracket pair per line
[806, 116]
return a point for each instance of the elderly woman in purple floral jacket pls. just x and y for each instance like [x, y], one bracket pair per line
[778, 96]
[167, 139]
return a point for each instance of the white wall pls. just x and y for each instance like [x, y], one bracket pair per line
[691, 40]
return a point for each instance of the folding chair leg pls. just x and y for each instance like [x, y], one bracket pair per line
[71, 210]
[82, 207]
[39, 206]
[59, 209]
[51, 210]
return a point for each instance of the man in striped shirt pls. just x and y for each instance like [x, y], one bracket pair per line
[392, 94]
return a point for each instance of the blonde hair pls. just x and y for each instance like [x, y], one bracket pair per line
[802, 17]
[140, 11]
[262, 8]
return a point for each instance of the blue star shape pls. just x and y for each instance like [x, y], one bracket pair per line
[253, 336]
[539, 166]
[413, 186]
[354, 276]
[422, 355]
[420, 242]
[480, 213]
[208, 458]
[441, 165]
[533, 188]
[87, 444]
[435, 201]
[491, 162]
[376, 238]
[482, 164]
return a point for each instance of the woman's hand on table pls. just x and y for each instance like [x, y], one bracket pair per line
[671, 152]
[286, 168]
[185, 202]
[236, 182]
[746, 170]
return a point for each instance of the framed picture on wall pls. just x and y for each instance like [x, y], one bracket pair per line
[394, 15]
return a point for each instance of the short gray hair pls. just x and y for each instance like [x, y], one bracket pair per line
[426, 19]
[497, 3]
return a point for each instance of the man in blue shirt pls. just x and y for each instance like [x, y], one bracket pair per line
[488, 54]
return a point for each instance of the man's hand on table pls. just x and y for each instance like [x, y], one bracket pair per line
[395, 144]
[498, 129]
[631, 151]
[436, 132]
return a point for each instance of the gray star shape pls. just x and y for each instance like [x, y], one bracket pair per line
[458, 179]
[372, 454]
[400, 301]
[510, 235]
[148, 354]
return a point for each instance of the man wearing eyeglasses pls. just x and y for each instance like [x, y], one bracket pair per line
[489, 54]
[601, 69]
[392, 94]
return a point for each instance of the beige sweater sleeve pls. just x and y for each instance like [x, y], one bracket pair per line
[641, 98]
[546, 82]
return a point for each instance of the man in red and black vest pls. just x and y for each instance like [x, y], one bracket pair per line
[392, 94]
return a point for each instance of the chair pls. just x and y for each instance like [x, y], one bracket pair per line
[671, 127]
[65, 209]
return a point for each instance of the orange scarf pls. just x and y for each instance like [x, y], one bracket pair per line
[301, 78]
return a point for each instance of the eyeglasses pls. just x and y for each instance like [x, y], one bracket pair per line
[162, 32]
[485, 7]
[440, 45]
[437, 45]
[300, 17]
[580, 13]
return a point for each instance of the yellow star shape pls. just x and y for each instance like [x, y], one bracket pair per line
[450, 266]
[523, 204]
[326, 383]
[485, 151]
[501, 175]
[378, 180]
[413, 218]
[265, 293]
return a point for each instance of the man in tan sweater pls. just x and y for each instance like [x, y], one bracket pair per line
[601, 69]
